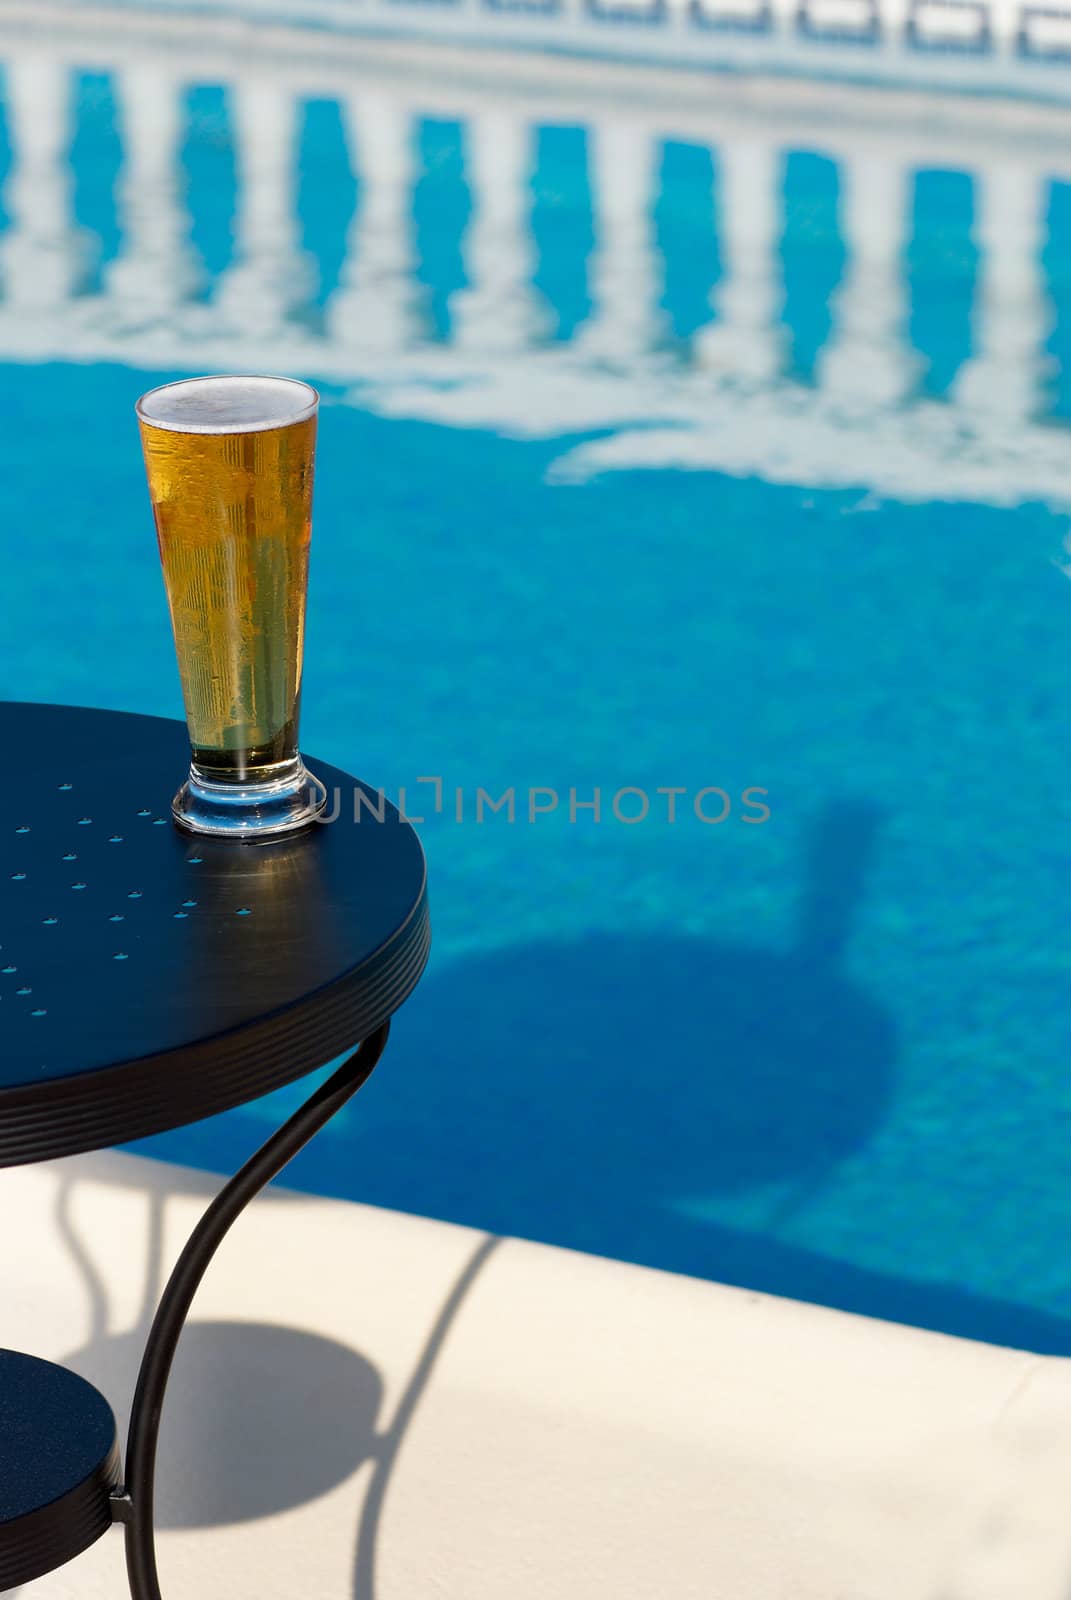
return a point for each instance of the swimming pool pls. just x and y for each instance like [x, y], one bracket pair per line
[673, 449]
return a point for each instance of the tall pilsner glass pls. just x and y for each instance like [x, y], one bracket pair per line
[230, 468]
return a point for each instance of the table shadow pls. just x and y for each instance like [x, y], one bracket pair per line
[259, 1418]
[610, 1092]
[587, 1091]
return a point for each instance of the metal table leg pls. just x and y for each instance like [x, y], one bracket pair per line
[133, 1503]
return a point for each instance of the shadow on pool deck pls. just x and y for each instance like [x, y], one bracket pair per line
[221, 1460]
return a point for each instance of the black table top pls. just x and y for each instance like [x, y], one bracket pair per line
[150, 977]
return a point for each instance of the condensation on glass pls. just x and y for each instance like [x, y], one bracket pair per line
[230, 467]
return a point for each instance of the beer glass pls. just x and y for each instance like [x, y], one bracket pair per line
[230, 466]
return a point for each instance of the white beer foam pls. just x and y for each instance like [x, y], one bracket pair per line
[228, 404]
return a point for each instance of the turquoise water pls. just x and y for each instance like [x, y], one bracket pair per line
[824, 1056]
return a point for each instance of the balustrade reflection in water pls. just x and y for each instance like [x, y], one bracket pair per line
[479, 262]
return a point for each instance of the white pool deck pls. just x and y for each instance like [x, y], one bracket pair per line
[376, 1406]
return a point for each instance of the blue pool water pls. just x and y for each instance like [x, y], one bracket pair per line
[826, 1055]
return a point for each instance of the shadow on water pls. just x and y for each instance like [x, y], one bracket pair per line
[583, 1091]
[595, 1093]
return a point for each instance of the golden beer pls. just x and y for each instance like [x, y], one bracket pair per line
[230, 470]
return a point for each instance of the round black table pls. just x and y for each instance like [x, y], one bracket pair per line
[149, 978]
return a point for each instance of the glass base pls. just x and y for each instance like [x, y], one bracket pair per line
[291, 798]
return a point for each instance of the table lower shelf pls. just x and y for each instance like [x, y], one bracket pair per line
[59, 1463]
